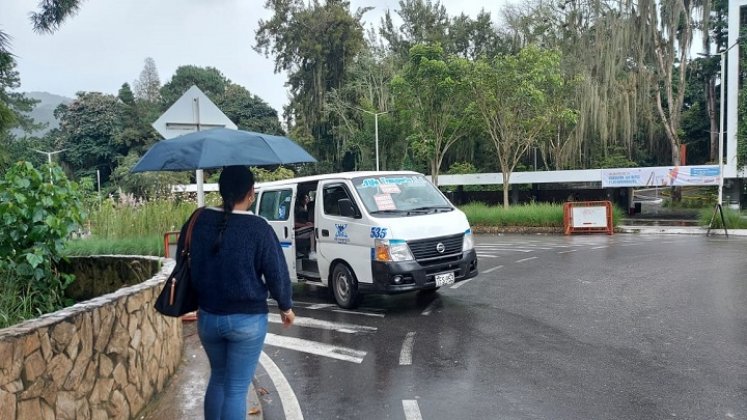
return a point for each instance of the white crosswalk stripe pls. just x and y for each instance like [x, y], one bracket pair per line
[314, 347]
[324, 325]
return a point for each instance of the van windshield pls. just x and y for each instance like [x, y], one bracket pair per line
[400, 194]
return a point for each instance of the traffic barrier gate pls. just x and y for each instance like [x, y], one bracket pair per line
[587, 217]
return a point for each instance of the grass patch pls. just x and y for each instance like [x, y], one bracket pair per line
[113, 221]
[734, 219]
[526, 215]
[146, 245]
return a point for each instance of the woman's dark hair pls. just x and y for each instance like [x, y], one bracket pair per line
[234, 184]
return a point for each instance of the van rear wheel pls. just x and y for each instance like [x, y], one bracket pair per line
[345, 286]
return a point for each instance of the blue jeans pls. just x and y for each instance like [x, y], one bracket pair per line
[233, 344]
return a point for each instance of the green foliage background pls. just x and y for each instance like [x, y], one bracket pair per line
[39, 209]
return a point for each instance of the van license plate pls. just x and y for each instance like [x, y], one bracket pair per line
[444, 279]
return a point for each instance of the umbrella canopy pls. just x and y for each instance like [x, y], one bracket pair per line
[220, 147]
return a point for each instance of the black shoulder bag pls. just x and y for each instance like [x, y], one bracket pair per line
[177, 296]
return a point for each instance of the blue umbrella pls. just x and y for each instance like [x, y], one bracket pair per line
[220, 147]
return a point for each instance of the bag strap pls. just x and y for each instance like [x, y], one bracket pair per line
[188, 237]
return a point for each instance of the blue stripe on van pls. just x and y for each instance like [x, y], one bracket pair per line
[286, 244]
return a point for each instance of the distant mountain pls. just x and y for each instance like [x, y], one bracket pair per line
[44, 110]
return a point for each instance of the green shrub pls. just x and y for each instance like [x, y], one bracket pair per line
[734, 219]
[37, 216]
[525, 215]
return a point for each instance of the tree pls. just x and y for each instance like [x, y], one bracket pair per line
[432, 93]
[423, 22]
[136, 134]
[670, 26]
[513, 97]
[89, 129]
[247, 111]
[148, 85]
[367, 90]
[209, 79]
[315, 44]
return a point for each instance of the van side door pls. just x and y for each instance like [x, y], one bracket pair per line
[342, 234]
[276, 206]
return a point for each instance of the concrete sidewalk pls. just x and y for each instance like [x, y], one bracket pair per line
[183, 396]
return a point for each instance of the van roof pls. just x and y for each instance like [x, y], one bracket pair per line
[339, 175]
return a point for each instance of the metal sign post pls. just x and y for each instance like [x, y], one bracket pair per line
[193, 111]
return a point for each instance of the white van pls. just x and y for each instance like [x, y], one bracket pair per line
[384, 232]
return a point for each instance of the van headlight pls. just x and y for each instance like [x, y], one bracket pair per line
[392, 250]
[468, 242]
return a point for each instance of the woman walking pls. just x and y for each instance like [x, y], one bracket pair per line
[236, 261]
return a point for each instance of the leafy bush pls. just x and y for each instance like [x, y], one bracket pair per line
[36, 218]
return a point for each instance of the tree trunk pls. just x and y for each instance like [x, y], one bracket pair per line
[710, 89]
[506, 188]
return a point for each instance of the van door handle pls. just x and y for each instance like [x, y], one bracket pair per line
[285, 229]
[325, 232]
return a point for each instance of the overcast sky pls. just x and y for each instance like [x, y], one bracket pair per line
[106, 43]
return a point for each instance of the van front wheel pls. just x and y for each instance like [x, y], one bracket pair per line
[345, 286]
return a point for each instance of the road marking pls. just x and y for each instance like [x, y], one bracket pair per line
[343, 311]
[324, 325]
[486, 255]
[506, 249]
[321, 306]
[405, 355]
[291, 408]
[565, 252]
[525, 259]
[313, 347]
[458, 285]
[412, 411]
[600, 247]
[490, 270]
[428, 309]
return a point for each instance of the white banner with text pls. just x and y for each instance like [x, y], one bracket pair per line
[661, 176]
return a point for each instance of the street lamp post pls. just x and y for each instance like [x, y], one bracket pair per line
[49, 160]
[376, 131]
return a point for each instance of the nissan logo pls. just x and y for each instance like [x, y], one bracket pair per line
[441, 248]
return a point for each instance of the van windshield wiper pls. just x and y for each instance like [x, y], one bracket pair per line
[435, 208]
[388, 211]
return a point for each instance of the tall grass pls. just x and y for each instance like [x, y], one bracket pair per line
[734, 219]
[117, 221]
[22, 298]
[134, 228]
[148, 245]
[525, 215]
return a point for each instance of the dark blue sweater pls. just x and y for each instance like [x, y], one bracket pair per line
[231, 280]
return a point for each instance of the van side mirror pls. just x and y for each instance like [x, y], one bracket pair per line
[345, 205]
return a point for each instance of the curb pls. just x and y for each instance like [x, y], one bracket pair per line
[550, 230]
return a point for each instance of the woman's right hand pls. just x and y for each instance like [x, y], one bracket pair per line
[287, 317]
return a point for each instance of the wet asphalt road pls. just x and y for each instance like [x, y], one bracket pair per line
[582, 327]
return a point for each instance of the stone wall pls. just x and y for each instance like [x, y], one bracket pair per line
[102, 274]
[104, 358]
